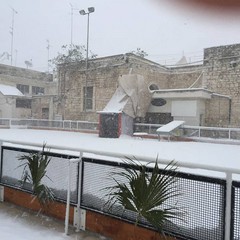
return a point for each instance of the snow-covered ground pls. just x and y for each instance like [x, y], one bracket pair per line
[19, 224]
[225, 156]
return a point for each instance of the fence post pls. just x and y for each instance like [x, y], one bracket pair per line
[228, 205]
[1, 161]
[68, 192]
[80, 222]
[68, 198]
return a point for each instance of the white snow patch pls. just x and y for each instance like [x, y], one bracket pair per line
[9, 90]
[17, 229]
[209, 154]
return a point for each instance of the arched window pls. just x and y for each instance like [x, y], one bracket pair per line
[153, 87]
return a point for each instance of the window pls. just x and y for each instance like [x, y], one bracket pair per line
[23, 88]
[153, 87]
[37, 90]
[23, 103]
[88, 98]
[45, 113]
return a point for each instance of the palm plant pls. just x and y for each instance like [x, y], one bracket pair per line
[146, 193]
[37, 163]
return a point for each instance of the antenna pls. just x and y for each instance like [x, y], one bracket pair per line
[48, 50]
[72, 9]
[11, 32]
[16, 52]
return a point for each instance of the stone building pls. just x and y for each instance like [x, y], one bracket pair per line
[206, 94]
[26, 93]
[100, 82]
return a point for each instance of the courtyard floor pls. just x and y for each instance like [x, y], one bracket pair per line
[22, 224]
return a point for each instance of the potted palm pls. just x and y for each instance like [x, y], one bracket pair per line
[35, 167]
[145, 193]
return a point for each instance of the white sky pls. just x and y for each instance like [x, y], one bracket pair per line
[163, 30]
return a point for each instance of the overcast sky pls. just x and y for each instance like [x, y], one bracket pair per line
[163, 30]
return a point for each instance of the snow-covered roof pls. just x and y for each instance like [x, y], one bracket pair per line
[7, 90]
[182, 93]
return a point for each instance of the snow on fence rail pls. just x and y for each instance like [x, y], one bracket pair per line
[51, 124]
[194, 131]
[202, 194]
[185, 131]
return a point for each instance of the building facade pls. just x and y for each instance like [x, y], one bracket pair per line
[206, 94]
[26, 93]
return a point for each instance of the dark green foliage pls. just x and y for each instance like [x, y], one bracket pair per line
[37, 164]
[72, 53]
[146, 193]
[139, 52]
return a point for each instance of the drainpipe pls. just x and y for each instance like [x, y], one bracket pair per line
[230, 111]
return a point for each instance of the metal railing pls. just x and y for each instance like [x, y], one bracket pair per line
[49, 124]
[213, 203]
[194, 131]
[185, 131]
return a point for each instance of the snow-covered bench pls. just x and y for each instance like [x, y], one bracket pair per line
[169, 128]
[140, 134]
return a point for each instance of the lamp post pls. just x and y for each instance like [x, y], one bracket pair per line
[82, 12]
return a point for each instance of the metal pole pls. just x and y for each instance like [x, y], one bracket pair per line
[87, 41]
[68, 199]
[228, 205]
[71, 25]
[12, 31]
[85, 92]
[79, 191]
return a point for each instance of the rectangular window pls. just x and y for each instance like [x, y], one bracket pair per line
[37, 90]
[24, 89]
[23, 103]
[88, 98]
[45, 113]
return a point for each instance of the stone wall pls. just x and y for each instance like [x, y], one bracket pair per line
[103, 75]
[222, 76]
[186, 77]
[218, 112]
[219, 73]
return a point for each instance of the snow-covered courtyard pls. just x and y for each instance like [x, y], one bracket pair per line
[224, 156]
[190, 155]
[21, 224]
